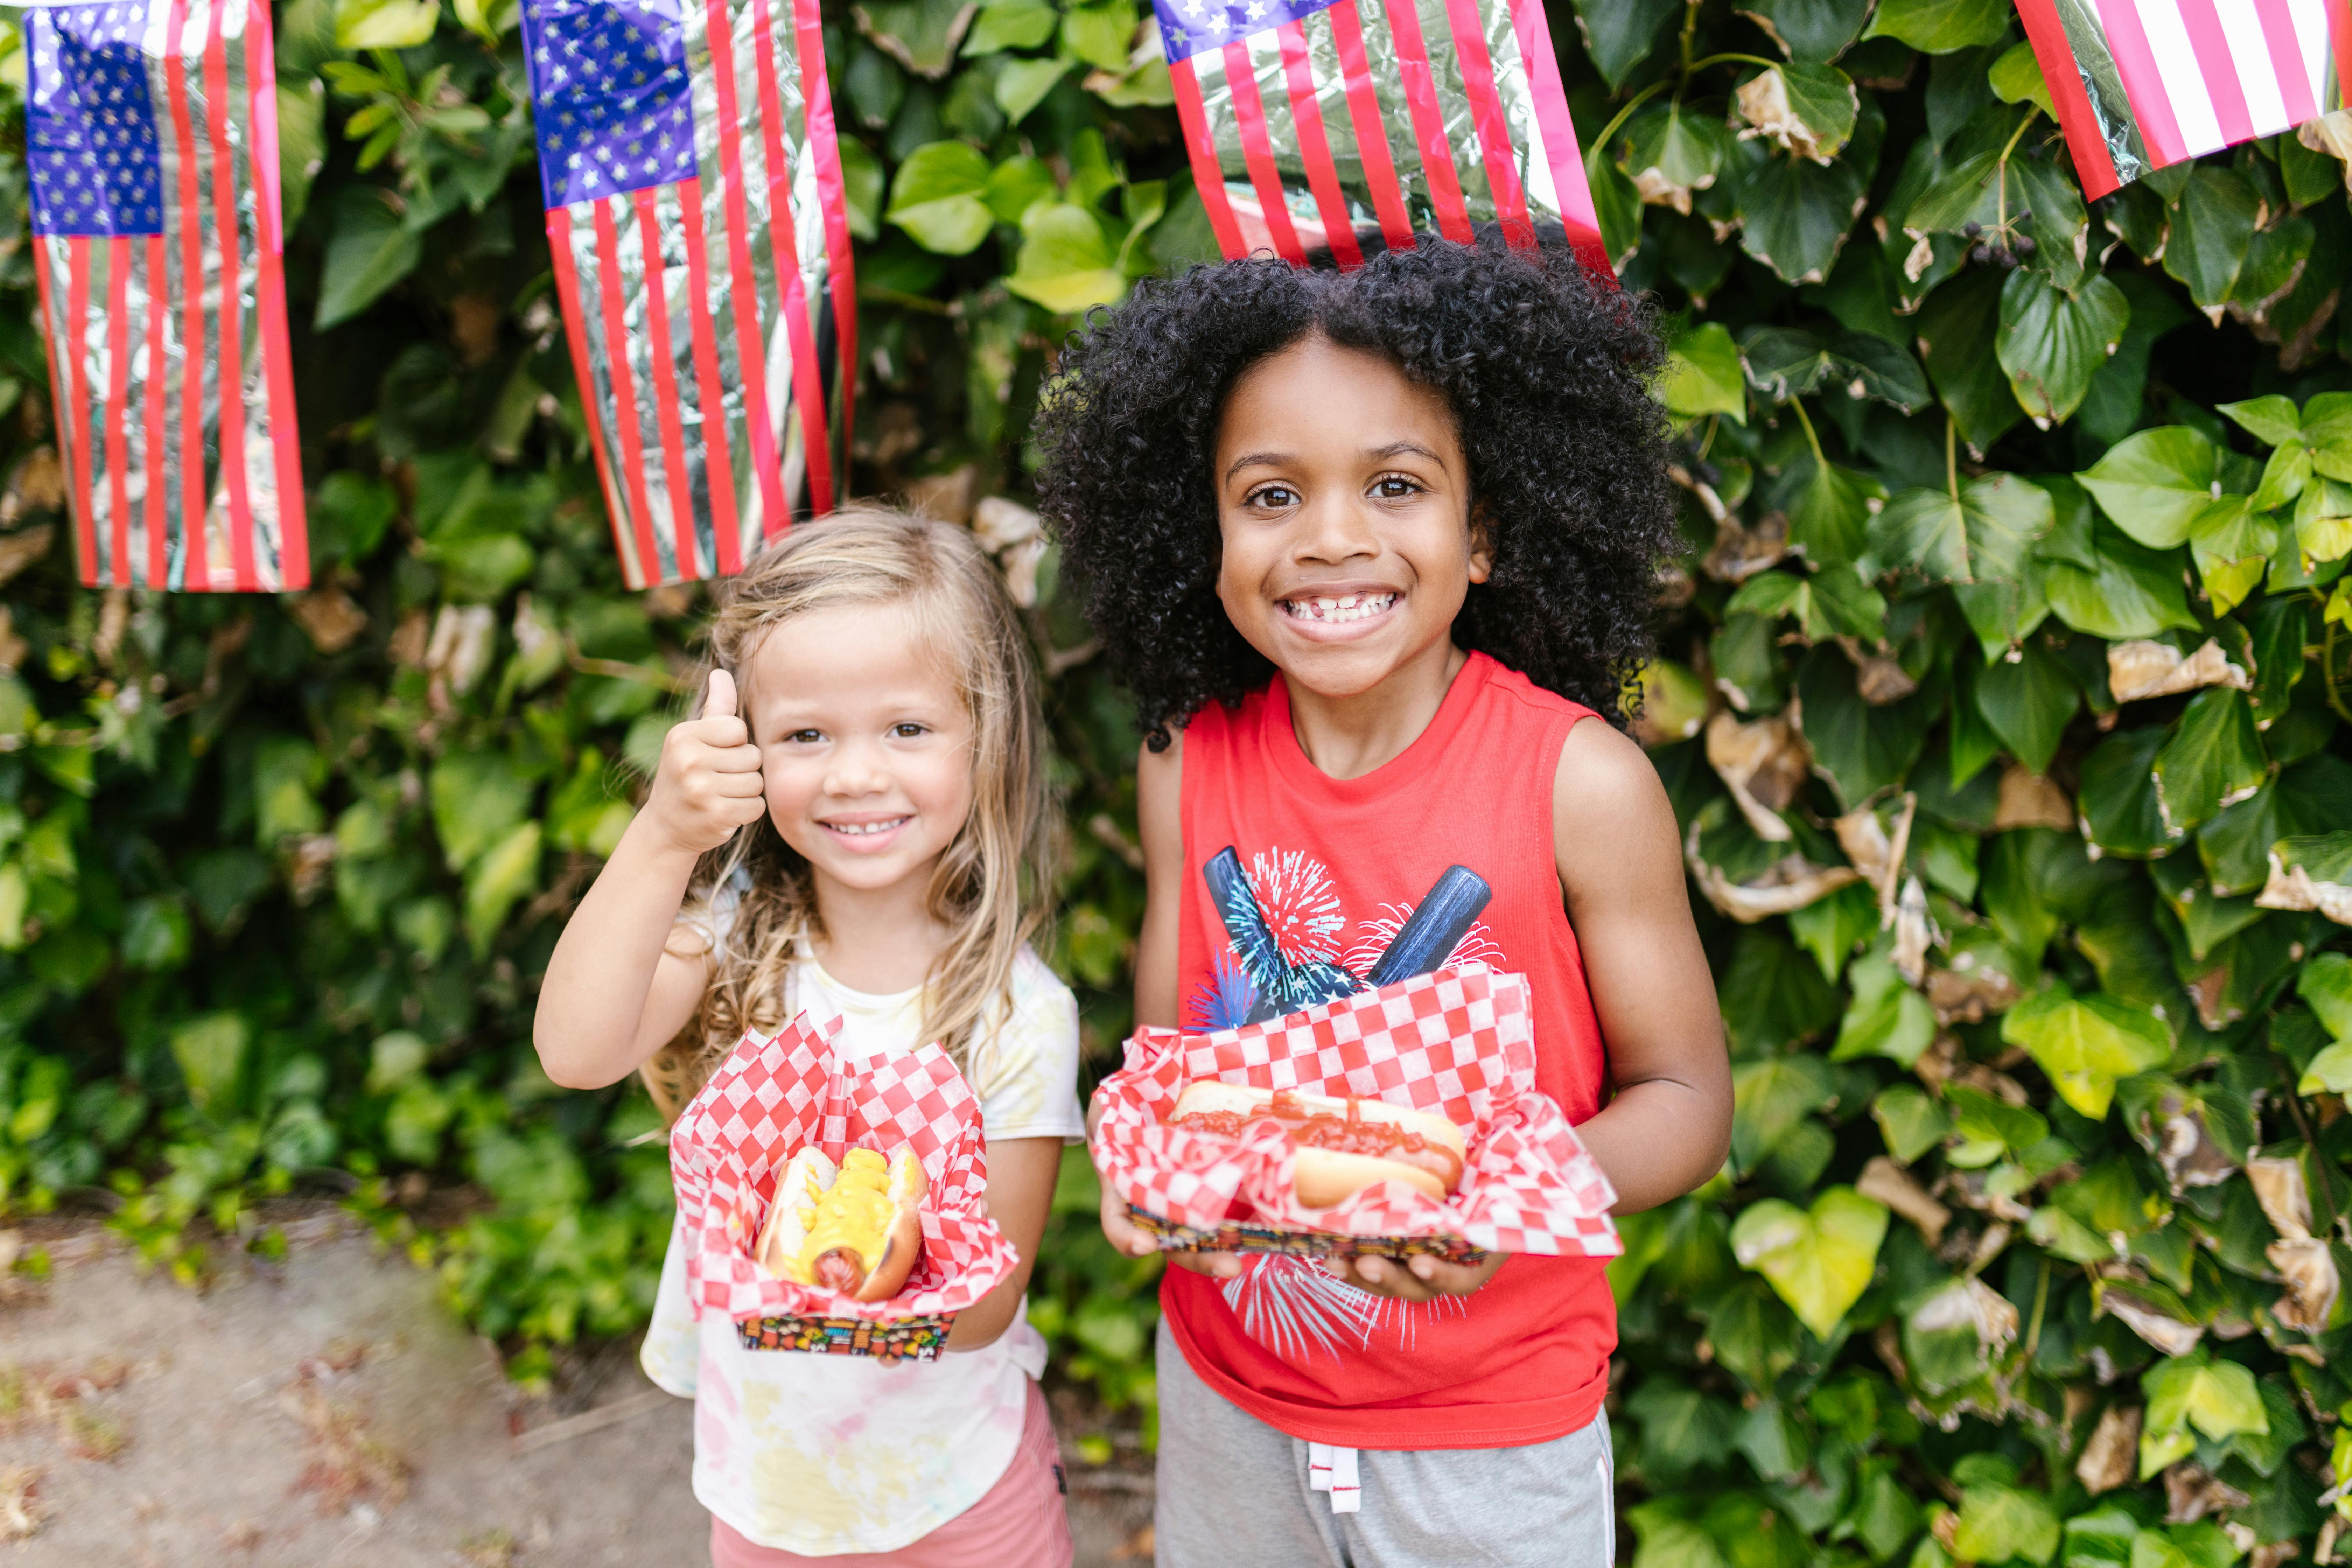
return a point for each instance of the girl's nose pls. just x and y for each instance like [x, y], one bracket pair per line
[856, 770]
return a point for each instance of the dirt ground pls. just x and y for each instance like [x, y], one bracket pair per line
[330, 1410]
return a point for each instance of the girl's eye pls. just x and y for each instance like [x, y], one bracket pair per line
[1274, 498]
[805, 737]
[909, 731]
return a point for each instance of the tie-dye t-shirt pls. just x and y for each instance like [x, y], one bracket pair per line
[822, 1455]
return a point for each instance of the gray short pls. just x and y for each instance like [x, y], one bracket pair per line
[1236, 1493]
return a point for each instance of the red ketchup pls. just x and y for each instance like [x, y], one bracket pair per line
[1345, 1135]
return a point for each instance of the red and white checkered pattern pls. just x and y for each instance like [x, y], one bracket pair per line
[773, 1096]
[1458, 1042]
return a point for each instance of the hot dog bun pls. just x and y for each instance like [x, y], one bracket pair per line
[1428, 1156]
[856, 1227]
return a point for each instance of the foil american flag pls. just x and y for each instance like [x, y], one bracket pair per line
[697, 216]
[2140, 84]
[151, 141]
[1312, 125]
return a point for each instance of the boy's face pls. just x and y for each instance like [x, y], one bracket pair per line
[1343, 500]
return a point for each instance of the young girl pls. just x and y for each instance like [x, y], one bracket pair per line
[858, 827]
[1376, 547]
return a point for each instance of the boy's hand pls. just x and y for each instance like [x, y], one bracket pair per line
[1125, 1234]
[709, 783]
[1419, 1278]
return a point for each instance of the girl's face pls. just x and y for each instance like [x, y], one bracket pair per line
[864, 745]
[1344, 503]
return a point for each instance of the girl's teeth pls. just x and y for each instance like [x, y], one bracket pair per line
[1353, 607]
[864, 828]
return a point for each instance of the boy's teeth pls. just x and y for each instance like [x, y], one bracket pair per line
[1353, 607]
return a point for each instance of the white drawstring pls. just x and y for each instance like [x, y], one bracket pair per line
[1333, 1470]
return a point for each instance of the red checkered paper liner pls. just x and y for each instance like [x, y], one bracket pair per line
[769, 1100]
[1457, 1041]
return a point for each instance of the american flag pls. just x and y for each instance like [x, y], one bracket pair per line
[2140, 84]
[697, 214]
[152, 139]
[1309, 123]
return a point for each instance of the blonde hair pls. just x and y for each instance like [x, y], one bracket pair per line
[993, 885]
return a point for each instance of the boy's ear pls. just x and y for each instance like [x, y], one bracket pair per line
[1482, 544]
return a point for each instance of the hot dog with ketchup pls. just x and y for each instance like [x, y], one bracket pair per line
[856, 1227]
[1344, 1145]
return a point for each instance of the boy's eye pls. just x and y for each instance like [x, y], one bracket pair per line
[1394, 487]
[1274, 497]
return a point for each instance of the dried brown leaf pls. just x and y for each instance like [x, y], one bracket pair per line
[2142, 670]
[1891, 1185]
[2029, 800]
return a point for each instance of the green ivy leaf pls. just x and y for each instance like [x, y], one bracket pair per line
[1828, 508]
[507, 872]
[1819, 1260]
[373, 249]
[2325, 988]
[2213, 759]
[1808, 109]
[1619, 34]
[2213, 229]
[2156, 485]
[1099, 33]
[1984, 536]
[1067, 264]
[478, 798]
[2121, 812]
[2016, 77]
[386, 24]
[1669, 152]
[2053, 340]
[1940, 26]
[2219, 1399]
[1911, 1123]
[1954, 324]
[2271, 420]
[1794, 213]
[1770, 1099]
[1812, 29]
[1021, 85]
[2132, 591]
[210, 1050]
[1885, 1018]
[1789, 361]
[2027, 699]
[2001, 1523]
[2085, 1043]
[1703, 376]
[2232, 545]
[937, 198]
[1863, 747]
[1010, 25]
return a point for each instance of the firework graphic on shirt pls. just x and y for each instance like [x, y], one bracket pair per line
[1223, 1001]
[1374, 937]
[1298, 1309]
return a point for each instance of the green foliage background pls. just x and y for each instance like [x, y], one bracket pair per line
[2031, 1244]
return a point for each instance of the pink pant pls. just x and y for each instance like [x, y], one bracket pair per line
[1019, 1523]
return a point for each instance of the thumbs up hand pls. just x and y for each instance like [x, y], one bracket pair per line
[709, 783]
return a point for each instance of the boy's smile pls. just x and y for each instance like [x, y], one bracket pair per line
[1345, 518]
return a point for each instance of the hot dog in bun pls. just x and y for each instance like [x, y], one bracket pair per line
[856, 1227]
[1344, 1145]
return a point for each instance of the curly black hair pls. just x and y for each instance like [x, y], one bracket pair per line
[1547, 375]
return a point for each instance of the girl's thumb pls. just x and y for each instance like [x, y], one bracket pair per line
[720, 703]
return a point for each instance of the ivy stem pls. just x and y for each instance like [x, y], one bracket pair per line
[1797, 406]
[2000, 202]
[1690, 31]
[2328, 669]
[1741, 59]
[1952, 456]
[1600, 142]
[2041, 1301]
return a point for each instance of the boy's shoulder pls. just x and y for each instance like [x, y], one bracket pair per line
[1505, 684]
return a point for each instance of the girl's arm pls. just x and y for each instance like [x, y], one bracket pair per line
[620, 983]
[1020, 1174]
[1668, 1125]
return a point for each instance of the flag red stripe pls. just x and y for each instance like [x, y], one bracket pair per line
[717, 457]
[1428, 122]
[2093, 165]
[117, 397]
[195, 571]
[750, 352]
[2339, 35]
[230, 374]
[277, 349]
[2142, 85]
[800, 328]
[1487, 119]
[2220, 69]
[1257, 152]
[2286, 60]
[67, 392]
[1315, 148]
[664, 387]
[567, 289]
[1558, 131]
[1371, 132]
[624, 395]
[159, 543]
[1208, 174]
[842, 273]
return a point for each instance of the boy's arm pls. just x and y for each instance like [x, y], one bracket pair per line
[1021, 1173]
[1160, 819]
[1668, 1125]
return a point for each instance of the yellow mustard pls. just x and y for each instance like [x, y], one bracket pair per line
[853, 1216]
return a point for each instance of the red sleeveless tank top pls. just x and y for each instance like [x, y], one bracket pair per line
[1337, 867]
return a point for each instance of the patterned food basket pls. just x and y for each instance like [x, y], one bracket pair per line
[896, 1339]
[1457, 1041]
[774, 1097]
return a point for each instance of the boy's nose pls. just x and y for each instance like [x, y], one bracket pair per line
[1335, 530]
